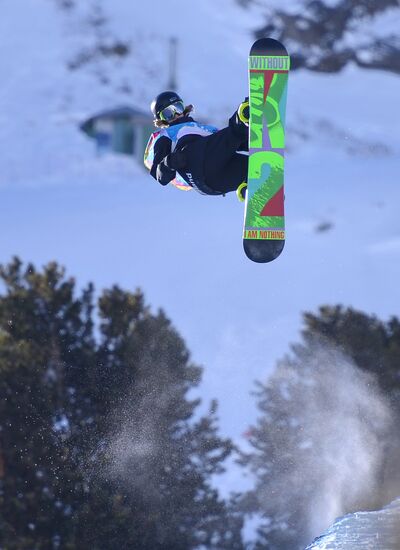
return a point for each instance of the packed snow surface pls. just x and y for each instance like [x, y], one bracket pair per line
[363, 531]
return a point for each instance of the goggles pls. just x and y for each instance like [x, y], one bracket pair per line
[171, 111]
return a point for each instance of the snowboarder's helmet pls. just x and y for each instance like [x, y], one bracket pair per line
[166, 106]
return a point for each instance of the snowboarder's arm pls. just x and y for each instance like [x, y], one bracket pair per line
[160, 169]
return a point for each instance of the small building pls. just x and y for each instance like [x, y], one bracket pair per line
[124, 130]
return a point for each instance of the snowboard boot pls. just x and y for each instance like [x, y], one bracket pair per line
[241, 191]
[243, 112]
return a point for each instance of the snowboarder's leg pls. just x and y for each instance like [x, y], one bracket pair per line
[224, 168]
[228, 177]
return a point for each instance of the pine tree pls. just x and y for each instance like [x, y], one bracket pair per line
[100, 445]
[44, 342]
[374, 345]
[160, 459]
[326, 441]
[316, 34]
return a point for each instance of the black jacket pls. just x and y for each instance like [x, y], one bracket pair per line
[166, 163]
[208, 163]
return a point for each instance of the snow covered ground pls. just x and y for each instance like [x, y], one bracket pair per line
[107, 221]
[363, 530]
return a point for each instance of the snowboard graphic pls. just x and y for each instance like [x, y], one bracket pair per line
[264, 221]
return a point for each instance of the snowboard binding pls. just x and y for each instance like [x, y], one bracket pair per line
[243, 112]
[241, 191]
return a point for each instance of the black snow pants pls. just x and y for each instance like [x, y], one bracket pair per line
[213, 163]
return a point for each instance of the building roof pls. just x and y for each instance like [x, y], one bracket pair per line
[118, 112]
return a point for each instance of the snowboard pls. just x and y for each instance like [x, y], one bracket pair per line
[264, 219]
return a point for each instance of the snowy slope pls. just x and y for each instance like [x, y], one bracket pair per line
[377, 529]
[108, 222]
[60, 69]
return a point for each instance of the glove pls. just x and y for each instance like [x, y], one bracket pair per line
[176, 160]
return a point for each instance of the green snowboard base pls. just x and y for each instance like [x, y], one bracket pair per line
[264, 223]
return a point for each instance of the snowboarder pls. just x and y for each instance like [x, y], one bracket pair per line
[194, 155]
